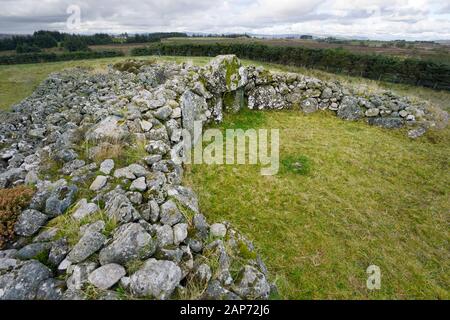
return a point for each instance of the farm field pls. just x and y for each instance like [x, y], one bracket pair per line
[358, 201]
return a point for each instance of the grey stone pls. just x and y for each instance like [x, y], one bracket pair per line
[163, 113]
[215, 291]
[58, 252]
[180, 233]
[157, 279]
[416, 133]
[84, 209]
[34, 250]
[124, 173]
[218, 230]
[79, 275]
[138, 170]
[106, 276]
[389, 123]
[60, 200]
[157, 148]
[107, 166]
[50, 289]
[252, 284]
[120, 208]
[310, 105]
[139, 185]
[90, 242]
[164, 236]
[170, 214]
[130, 242]
[23, 283]
[29, 222]
[109, 129]
[349, 109]
[99, 183]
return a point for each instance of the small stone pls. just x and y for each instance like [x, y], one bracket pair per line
[107, 166]
[106, 276]
[252, 284]
[403, 113]
[84, 209]
[139, 185]
[138, 170]
[145, 125]
[180, 233]
[373, 112]
[218, 230]
[170, 214]
[416, 133]
[124, 173]
[99, 183]
[163, 113]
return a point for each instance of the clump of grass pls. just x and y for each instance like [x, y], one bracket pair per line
[298, 165]
[69, 228]
[12, 202]
[134, 265]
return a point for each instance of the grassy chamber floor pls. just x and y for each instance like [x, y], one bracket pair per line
[365, 195]
[368, 196]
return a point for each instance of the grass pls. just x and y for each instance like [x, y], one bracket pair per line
[368, 196]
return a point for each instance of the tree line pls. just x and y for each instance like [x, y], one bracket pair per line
[373, 66]
[71, 42]
[53, 57]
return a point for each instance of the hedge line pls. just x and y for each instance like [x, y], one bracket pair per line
[377, 67]
[52, 57]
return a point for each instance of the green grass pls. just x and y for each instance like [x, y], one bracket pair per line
[365, 196]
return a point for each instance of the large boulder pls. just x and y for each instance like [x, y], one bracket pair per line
[349, 109]
[157, 279]
[23, 283]
[194, 109]
[225, 74]
[130, 242]
[109, 129]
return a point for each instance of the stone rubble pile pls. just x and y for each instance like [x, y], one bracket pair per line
[105, 227]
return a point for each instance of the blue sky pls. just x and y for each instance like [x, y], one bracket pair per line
[376, 19]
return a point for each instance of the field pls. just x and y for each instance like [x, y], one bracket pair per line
[366, 196]
[426, 51]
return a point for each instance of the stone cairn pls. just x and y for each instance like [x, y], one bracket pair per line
[127, 228]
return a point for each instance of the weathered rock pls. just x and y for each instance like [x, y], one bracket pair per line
[107, 166]
[139, 184]
[388, 123]
[50, 289]
[84, 209]
[106, 276]
[309, 105]
[34, 251]
[130, 242]
[60, 200]
[29, 222]
[23, 283]
[90, 242]
[170, 214]
[180, 233]
[218, 230]
[157, 279]
[120, 208]
[349, 109]
[194, 109]
[99, 183]
[109, 129]
[252, 284]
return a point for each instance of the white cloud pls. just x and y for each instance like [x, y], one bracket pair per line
[385, 19]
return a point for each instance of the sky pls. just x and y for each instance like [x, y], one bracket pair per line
[374, 19]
